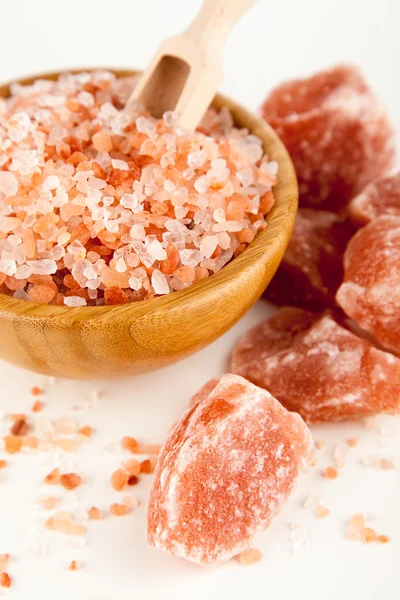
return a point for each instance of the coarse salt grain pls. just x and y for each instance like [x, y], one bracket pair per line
[249, 557]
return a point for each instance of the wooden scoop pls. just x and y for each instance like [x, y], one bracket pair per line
[186, 71]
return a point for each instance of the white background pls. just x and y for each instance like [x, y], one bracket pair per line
[274, 41]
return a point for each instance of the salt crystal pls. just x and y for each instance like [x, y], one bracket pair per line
[86, 99]
[245, 176]
[8, 267]
[156, 250]
[43, 267]
[171, 118]
[208, 245]
[122, 165]
[135, 283]
[219, 215]
[74, 301]
[159, 283]
[197, 159]
[8, 184]
[145, 125]
[52, 182]
[120, 265]
[201, 184]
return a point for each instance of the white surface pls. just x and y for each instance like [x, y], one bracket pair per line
[274, 41]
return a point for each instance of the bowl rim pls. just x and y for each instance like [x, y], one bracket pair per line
[261, 249]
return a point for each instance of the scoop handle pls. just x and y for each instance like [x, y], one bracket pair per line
[215, 19]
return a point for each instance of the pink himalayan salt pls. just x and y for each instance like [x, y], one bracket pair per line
[312, 268]
[103, 199]
[337, 133]
[225, 471]
[379, 198]
[370, 292]
[314, 366]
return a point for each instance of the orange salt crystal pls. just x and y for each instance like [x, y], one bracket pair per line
[30, 441]
[66, 444]
[146, 467]
[53, 478]
[36, 391]
[37, 406]
[41, 293]
[330, 473]
[129, 443]
[78, 530]
[5, 580]
[86, 431]
[12, 444]
[3, 464]
[383, 539]
[70, 481]
[131, 466]
[321, 512]
[102, 142]
[356, 527]
[353, 442]
[18, 417]
[133, 480]
[50, 523]
[368, 535]
[74, 565]
[119, 479]
[95, 514]
[20, 427]
[66, 426]
[386, 464]
[50, 503]
[249, 557]
[4, 560]
[168, 266]
[118, 510]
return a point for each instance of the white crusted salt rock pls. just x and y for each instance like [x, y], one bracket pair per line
[315, 366]
[225, 471]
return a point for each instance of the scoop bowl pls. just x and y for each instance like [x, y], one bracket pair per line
[110, 341]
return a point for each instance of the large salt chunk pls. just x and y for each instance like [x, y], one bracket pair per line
[382, 197]
[337, 133]
[315, 366]
[370, 293]
[225, 471]
[312, 268]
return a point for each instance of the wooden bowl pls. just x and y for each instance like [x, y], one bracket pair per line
[107, 341]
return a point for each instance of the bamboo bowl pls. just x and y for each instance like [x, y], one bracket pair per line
[109, 341]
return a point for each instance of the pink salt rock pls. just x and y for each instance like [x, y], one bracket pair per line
[315, 366]
[312, 268]
[382, 197]
[226, 469]
[370, 293]
[337, 133]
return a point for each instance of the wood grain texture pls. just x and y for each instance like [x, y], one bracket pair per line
[110, 341]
